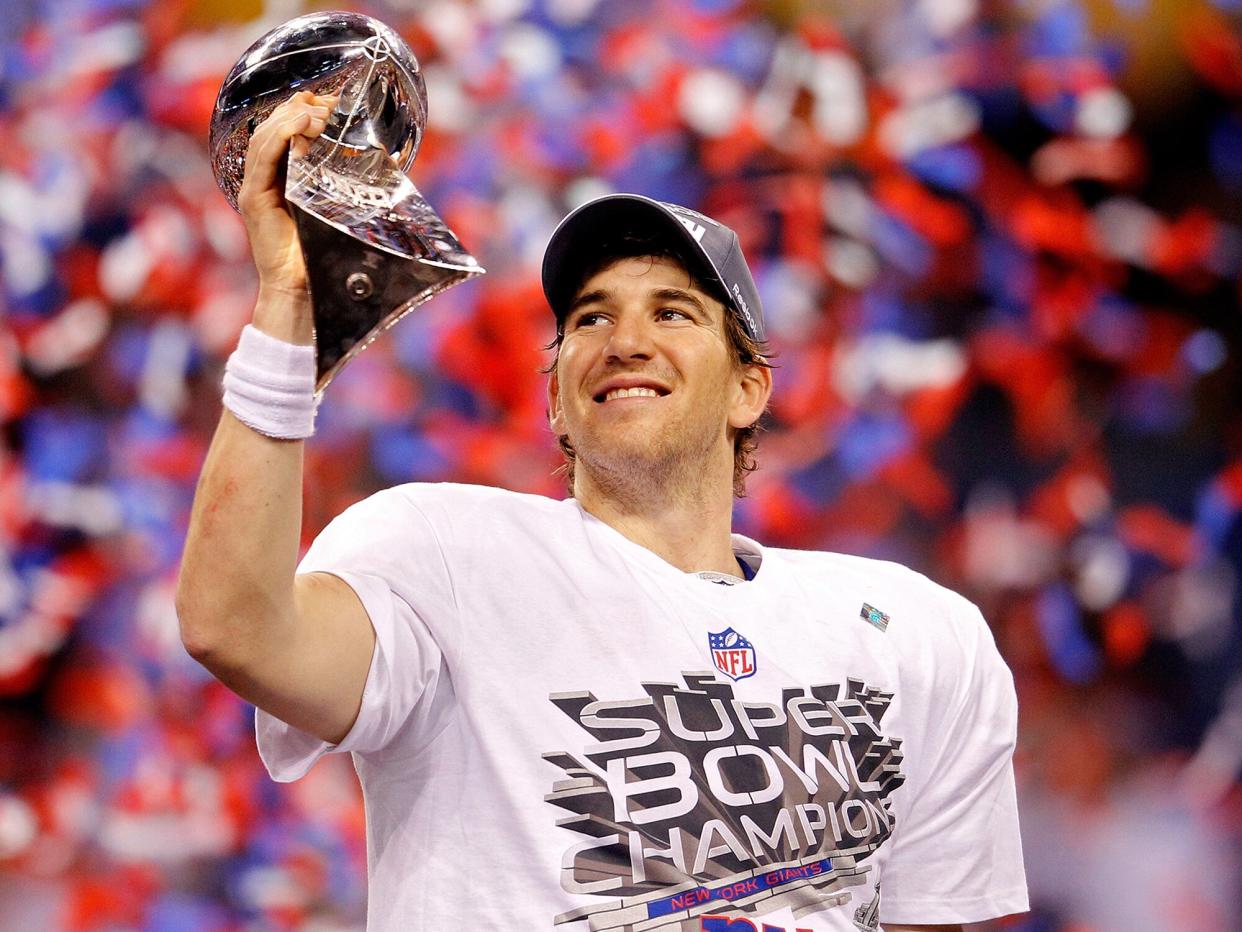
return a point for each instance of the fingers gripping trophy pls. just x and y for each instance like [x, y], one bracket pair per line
[347, 227]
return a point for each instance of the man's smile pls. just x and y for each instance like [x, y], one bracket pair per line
[631, 393]
[628, 387]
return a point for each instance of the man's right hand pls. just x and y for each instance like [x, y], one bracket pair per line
[283, 308]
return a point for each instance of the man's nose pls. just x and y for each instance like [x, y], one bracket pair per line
[631, 337]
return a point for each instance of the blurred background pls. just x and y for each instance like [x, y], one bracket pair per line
[999, 245]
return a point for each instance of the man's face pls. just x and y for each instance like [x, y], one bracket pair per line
[646, 378]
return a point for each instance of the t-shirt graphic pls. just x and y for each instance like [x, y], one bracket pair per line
[732, 792]
[695, 805]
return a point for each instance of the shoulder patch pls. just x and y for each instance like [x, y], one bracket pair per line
[874, 616]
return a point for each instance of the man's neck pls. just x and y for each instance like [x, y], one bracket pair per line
[689, 528]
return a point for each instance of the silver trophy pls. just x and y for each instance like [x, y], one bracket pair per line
[374, 248]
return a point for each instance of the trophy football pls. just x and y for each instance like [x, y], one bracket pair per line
[374, 248]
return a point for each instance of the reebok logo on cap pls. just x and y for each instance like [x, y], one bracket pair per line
[696, 229]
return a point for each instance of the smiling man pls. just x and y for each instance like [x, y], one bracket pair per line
[608, 712]
[657, 385]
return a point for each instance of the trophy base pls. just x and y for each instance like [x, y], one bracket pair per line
[359, 290]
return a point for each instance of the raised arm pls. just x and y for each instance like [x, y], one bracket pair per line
[297, 647]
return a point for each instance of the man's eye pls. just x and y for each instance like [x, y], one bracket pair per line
[673, 313]
[586, 320]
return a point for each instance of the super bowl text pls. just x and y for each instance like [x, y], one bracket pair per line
[732, 803]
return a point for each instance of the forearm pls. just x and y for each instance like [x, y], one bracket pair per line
[235, 594]
[236, 588]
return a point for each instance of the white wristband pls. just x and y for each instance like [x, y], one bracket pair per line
[269, 385]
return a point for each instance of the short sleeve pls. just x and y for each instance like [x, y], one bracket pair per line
[957, 852]
[385, 550]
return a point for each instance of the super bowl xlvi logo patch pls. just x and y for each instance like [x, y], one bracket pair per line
[875, 616]
[732, 654]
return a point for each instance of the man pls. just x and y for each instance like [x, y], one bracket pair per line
[609, 712]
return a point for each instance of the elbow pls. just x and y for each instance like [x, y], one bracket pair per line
[203, 621]
[206, 640]
[196, 645]
[195, 633]
[224, 631]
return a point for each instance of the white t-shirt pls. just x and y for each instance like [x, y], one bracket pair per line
[560, 729]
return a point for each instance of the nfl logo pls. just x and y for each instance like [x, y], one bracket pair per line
[732, 654]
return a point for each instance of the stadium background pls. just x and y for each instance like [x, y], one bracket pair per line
[999, 246]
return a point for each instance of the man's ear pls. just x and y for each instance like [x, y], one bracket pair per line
[754, 388]
[555, 419]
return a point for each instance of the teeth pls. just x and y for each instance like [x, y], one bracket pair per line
[631, 393]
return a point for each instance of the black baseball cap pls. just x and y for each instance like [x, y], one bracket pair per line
[710, 245]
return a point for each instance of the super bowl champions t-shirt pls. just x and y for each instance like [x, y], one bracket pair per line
[561, 730]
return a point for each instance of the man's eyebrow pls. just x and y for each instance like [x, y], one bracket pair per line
[679, 294]
[587, 297]
[660, 294]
